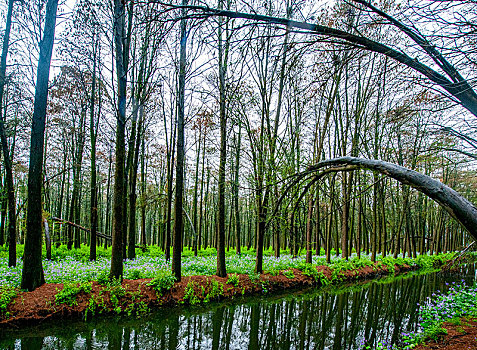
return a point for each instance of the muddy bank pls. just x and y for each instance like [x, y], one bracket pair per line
[136, 297]
[462, 336]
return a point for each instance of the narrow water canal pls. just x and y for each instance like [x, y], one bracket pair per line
[331, 318]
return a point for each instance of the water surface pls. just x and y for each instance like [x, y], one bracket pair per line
[326, 318]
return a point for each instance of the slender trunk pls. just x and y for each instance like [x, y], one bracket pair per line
[108, 199]
[3, 218]
[221, 268]
[178, 219]
[143, 196]
[199, 239]
[133, 167]
[236, 195]
[345, 215]
[261, 226]
[130, 237]
[309, 230]
[7, 158]
[94, 189]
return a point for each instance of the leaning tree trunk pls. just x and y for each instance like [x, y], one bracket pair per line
[455, 204]
[32, 274]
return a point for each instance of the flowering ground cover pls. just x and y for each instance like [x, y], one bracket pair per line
[455, 307]
[74, 266]
[460, 301]
[79, 287]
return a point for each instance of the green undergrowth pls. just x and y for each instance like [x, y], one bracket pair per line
[113, 297]
[340, 268]
[7, 294]
[196, 293]
[163, 281]
[82, 253]
[70, 291]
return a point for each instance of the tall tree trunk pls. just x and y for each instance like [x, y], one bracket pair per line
[3, 217]
[119, 176]
[346, 184]
[196, 189]
[143, 196]
[32, 273]
[94, 190]
[221, 268]
[201, 216]
[236, 194]
[178, 220]
[107, 223]
[309, 230]
[134, 147]
[7, 158]
[77, 155]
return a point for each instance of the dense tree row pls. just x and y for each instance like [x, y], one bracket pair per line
[166, 127]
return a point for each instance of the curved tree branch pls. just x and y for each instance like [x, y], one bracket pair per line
[458, 88]
[455, 204]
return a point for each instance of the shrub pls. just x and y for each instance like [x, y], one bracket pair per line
[288, 274]
[135, 274]
[190, 295]
[216, 289]
[162, 282]
[103, 277]
[70, 290]
[310, 271]
[254, 277]
[7, 294]
[233, 279]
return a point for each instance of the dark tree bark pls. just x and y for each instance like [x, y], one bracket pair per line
[7, 159]
[309, 231]
[221, 268]
[94, 189]
[143, 196]
[196, 189]
[236, 194]
[170, 146]
[3, 216]
[178, 220]
[119, 178]
[77, 155]
[32, 274]
[132, 169]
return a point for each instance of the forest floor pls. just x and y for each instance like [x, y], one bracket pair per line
[461, 336]
[135, 297]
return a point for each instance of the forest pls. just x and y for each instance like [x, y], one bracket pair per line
[176, 140]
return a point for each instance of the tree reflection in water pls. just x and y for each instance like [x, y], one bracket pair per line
[334, 319]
